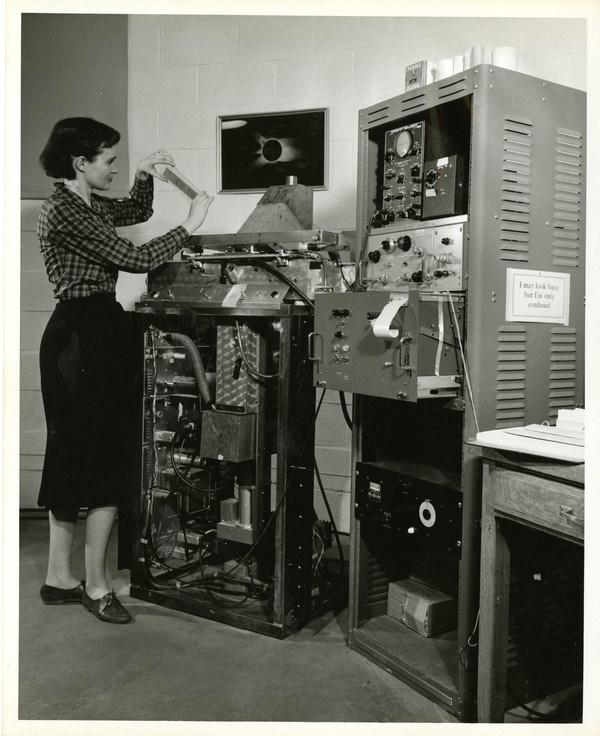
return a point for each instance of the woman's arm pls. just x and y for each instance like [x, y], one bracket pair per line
[137, 207]
[93, 239]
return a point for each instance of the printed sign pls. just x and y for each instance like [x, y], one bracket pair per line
[537, 296]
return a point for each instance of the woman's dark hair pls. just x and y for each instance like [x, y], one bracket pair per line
[74, 137]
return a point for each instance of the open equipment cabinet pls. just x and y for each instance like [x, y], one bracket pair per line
[224, 511]
[460, 184]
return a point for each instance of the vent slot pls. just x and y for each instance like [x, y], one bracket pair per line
[511, 364]
[568, 198]
[375, 116]
[515, 200]
[456, 87]
[562, 386]
[413, 102]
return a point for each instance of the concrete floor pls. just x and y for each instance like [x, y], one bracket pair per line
[172, 666]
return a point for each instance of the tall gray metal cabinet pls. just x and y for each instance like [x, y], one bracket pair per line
[466, 315]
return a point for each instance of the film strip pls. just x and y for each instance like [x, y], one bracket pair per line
[178, 181]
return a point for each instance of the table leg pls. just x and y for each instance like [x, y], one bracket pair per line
[493, 617]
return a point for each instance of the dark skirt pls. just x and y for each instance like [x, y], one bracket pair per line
[90, 363]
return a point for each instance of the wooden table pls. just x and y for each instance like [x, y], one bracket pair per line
[541, 494]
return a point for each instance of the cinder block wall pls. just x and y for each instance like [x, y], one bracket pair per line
[186, 70]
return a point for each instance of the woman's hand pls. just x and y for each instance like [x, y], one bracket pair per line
[198, 209]
[147, 166]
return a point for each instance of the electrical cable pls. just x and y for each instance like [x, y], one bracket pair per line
[345, 412]
[470, 644]
[251, 369]
[181, 477]
[319, 404]
[464, 362]
[537, 714]
[331, 519]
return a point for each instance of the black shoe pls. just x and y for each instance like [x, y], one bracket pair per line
[54, 596]
[108, 608]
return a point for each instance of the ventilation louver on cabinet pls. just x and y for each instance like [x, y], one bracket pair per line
[568, 196]
[515, 206]
[451, 88]
[377, 115]
[511, 358]
[562, 386]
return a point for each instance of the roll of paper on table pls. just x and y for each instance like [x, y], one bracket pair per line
[179, 181]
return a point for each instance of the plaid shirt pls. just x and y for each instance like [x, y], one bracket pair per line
[80, 246]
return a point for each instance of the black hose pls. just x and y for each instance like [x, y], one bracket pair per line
[197, 363]
[277, 273]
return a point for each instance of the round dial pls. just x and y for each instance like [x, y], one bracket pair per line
[404, 143]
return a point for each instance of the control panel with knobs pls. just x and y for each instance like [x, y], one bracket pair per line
[402, 180]
[429, 258]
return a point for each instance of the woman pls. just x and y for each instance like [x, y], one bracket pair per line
[87, 358]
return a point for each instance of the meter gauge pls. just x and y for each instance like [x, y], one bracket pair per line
[403, 143]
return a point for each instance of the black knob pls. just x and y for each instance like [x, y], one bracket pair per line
[440, 274]
[374, 256]
[417, 277]
[415, 193]
[401, 214]
[385, 244]
[411, 212]
[415, 171]
[404, 242]
[400, 195]
[445, 241]
[400, 178]
[387, 197]
[430, 177]
[390, 156]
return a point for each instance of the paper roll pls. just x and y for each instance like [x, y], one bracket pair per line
[445, 68]
[427, 515]
[381, 324]
[505, 56]
[458, 64]
[476, 55]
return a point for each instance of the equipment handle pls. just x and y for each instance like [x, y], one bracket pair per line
[311, 345]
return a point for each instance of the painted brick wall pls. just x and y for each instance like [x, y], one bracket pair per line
[186, 70]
